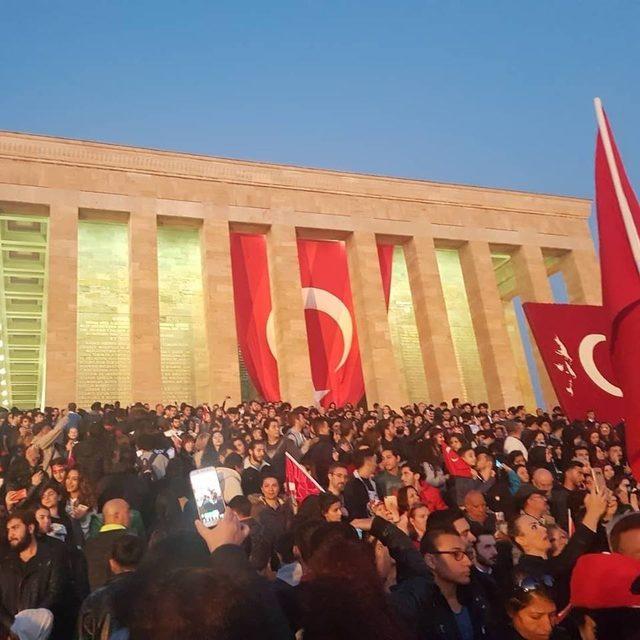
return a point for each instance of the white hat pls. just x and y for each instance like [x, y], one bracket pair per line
[33, 624]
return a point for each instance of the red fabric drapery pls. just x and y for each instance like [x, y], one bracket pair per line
[252, 298]
[385, 256]
[331, 331]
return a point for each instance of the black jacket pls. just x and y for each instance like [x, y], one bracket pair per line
[98, 551]
[230, 563]
[97, 617]
[356, 498]
[437, 622]
[561, 566]
[321, 455]
[42, 582]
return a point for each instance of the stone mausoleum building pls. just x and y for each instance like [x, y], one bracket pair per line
[116, 276]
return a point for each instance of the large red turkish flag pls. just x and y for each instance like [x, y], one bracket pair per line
[573, 343]
[618, 223]
[331, 329]
[252, 297]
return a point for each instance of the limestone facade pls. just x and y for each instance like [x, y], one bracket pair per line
[533, 234]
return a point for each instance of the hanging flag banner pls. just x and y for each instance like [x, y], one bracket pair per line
[331, 330]
[618, 222]
[252, 298]
[385, 257]
[573, 341]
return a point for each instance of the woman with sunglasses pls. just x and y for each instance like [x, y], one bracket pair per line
[531, 609]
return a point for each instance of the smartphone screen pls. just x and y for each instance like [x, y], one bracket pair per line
[598, 480]
[208, 495]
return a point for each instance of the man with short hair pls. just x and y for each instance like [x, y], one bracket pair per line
[569, 494]
[256, 545]
[486, 552]
[475, 507]
[431, 497]
[542, 479]
[337, 479]
[454, 519]
[360, 490]
[625, 536]
[457, 607]
[388, 481]
[513, 441]
[97, 618]
[254, 464]
[34, 576]
[322, 454]
[117, 519]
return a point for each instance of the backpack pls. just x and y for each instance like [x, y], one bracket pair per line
[144, 467]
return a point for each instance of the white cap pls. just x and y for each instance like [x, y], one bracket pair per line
[33, 624]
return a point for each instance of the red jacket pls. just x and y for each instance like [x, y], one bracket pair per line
[431, 497]
[456, 466]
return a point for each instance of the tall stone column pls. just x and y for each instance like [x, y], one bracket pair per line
[582, 276]
[146, 369]
[436, 344]
[222, 337]
[485, 305]
[382, 380]
[62, 306]
[292, 348]
[532, 284]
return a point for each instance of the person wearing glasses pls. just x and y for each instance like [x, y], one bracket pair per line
[458, 607]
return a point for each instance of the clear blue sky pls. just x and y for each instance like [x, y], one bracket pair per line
[493, 93]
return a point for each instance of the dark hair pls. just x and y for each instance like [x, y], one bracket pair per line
[630, 522]
[165, 608]
[444, 519]
[233, 460]
[520, 598]
[241, 505]
[26, 516]
[326, 500]
[360, 455]
[428, 544]
[403, 499]
[128, 550]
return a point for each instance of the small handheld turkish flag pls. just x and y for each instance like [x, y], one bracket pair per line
[298, 483]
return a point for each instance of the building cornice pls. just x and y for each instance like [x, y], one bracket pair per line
[168, 164]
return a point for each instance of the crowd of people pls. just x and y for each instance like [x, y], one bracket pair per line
[435, 522]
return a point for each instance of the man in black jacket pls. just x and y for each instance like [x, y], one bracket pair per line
[97, 617]
[117, 519]
[322, 452]
[361, 490]
[32, 576]
[457, 607]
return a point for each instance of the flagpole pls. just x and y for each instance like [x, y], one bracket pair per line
[627, 217]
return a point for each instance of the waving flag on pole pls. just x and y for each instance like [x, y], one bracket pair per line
[618, 225]
[298, 483]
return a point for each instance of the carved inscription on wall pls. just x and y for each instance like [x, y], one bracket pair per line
[104, 350]
[182, 322]
[404, 333]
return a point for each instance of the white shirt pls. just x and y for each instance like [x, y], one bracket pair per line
[512, 443]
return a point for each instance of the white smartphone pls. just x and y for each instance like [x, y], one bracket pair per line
[208, 495]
